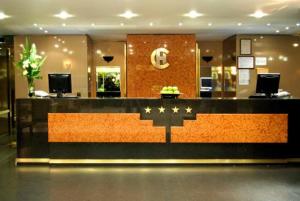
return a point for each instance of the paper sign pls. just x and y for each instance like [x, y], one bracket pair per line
[244, 77]
[260, 61]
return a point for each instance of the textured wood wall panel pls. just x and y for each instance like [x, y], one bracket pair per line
[104, 127]
[233, 128]
[144, 80]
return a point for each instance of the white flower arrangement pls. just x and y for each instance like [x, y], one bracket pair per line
[30, 64]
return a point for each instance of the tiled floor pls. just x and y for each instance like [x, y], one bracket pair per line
[154, 183]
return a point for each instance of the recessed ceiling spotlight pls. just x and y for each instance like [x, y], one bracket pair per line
[63, 42]
[180, 24]
[65, 49]
[277, 31]
[122, 24]
[41, 28]
[93, 24]
[56, 45]
[70, 52]
[63, 24]
[3, 16]
[298, 24]
[258, 14]
[128, 14]
[269, 24]
[43, 53]
[151, 24]
[35, 25]
[287, 28]
[45, 31]
[261, 37]
[193, 14]
[296, 44]
[63, 15]
[239, 24]
[209, 24]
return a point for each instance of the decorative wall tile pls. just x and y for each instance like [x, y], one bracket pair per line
[233, 128]
[144, 80]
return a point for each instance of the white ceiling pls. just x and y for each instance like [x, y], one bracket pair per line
[165, 15]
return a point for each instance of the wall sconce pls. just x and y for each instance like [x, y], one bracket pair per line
[67, 64]
[207, 59]
[108, 58]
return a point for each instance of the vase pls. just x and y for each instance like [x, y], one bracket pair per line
[31, 87]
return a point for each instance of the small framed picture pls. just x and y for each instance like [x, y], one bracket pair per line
[246, 46]
[246, 62]
[260, 61]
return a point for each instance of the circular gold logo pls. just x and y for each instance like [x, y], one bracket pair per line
[159, 58]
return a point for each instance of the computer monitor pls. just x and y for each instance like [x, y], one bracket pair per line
[267, 83]
[205, 82]
[60, 83]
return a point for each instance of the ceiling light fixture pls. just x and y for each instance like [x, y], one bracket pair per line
[63, 15]
[180, 24]
[93, 24]
[41, 28]
[298, 24]
[122, 24]
[46, 31]
[277, 31]
[209, 24]
[239, 24]
[56, 46]
[3, 16]
[65, 49]
[287, 28]
[269, 24]
[296, 44]
[258, 14]
[63, 24]
[193, 14]
[128, 14]
[151, 24]
[35, 25]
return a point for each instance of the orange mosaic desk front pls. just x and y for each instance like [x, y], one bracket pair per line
[103, 127]
[233, 128]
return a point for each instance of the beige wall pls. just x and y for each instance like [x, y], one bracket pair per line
[110, 48]
[211, 48]
[57, 61]
[274, 46]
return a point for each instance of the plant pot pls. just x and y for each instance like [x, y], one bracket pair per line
[169, 96]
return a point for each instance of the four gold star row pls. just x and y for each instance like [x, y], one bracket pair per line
[161, 109]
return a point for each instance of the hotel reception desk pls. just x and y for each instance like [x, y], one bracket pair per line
[126, 130]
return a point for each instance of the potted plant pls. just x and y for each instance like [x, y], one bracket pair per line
[30, 64]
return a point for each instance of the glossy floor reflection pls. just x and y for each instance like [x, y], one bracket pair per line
[155, 183]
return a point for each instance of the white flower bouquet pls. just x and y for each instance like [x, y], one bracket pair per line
[30, 64]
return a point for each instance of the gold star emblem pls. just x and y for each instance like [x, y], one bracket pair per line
[175, 109]
[161, 109]
[188, 110]
[148, 110]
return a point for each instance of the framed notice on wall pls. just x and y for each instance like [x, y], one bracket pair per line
[245, 62]
[245, 46]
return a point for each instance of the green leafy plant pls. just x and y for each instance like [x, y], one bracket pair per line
[30, 64]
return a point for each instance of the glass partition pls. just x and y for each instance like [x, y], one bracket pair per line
[108, 81]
